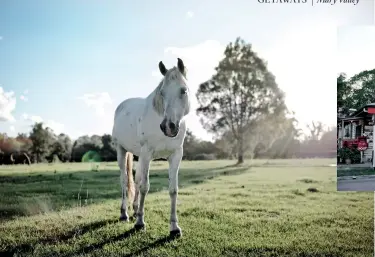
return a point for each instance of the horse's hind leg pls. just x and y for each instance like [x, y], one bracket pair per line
[121, 160]
[136, 195]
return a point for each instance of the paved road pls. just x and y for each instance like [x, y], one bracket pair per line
[359, 184]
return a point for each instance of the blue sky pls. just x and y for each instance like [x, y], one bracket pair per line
[70, 63]
[356, 51]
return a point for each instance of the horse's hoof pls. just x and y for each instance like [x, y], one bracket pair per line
[139, 227]
[175, 233]
[124, 218]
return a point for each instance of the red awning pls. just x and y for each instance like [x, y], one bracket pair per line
[371, 110]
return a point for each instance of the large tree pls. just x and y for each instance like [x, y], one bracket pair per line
[85, 144]
[362, 89]
[41, 141]
[108, 151]
[355, 91]
[316, 129]
[60, 147]
[240, 92]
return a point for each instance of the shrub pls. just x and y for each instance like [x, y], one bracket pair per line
[204, 157]
[350, 153]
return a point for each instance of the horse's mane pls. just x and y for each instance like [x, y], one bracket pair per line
[158, 101]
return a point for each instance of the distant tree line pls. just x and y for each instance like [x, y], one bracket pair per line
[42, 145]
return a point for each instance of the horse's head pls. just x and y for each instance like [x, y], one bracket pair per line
[174, 101]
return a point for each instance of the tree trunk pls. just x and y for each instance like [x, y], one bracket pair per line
[240, 152]
[27, 159]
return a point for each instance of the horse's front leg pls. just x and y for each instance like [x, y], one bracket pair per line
[174, 165]
[143, 186]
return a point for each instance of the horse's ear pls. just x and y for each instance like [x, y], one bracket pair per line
[162, 68]
[181, 66]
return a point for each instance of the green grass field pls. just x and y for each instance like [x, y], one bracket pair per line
[264, 208]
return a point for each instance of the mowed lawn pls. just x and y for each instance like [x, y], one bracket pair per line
[264, 208]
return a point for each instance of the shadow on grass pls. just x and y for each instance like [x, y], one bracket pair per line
[97, 246]
[59, 189]
[160, 242]
[92, 247]
[27, 247]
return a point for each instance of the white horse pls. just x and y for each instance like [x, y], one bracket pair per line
[152, 127]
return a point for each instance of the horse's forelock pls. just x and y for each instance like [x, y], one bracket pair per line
[174, 74]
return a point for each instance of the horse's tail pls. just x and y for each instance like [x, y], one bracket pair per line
[129, 170]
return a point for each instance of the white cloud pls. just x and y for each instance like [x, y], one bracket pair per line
[156, 74]
[97, 101]
[12, 128]
[57, 127]
[24, 98]
[36, 118]
[32, 118]
[189, 14]
[7, 105]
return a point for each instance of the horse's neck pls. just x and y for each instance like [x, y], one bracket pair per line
[151, 96]
[155, 91]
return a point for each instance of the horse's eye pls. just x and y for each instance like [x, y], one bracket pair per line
[183, 91]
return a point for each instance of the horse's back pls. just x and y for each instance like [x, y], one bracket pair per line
[126, 122]
[129, 105]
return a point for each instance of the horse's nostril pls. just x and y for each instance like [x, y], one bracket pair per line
[172, 126]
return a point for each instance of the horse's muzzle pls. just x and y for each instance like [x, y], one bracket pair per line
[169, 129]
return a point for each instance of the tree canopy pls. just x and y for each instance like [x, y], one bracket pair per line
[356, 91]
[240, 95]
